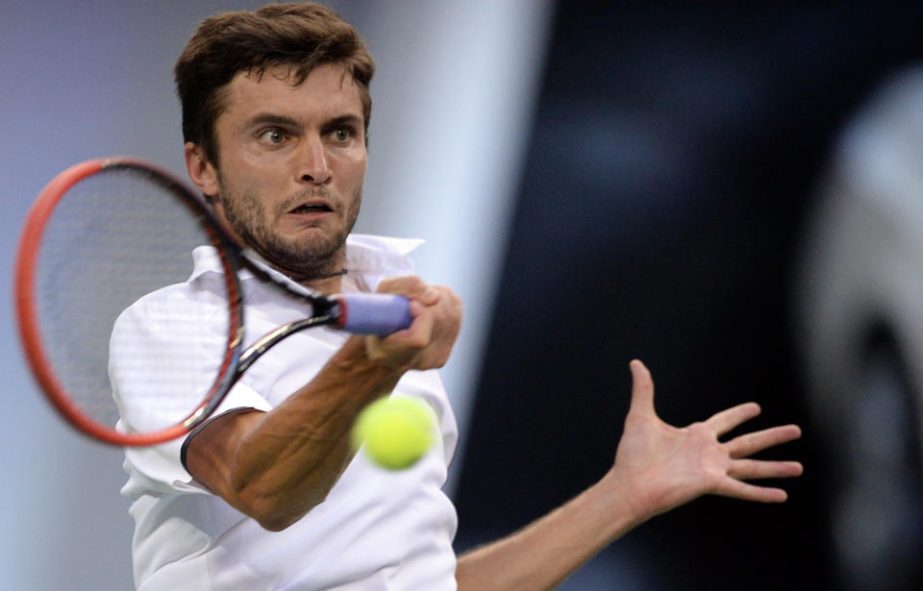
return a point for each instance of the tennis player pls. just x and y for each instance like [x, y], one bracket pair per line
[268, 494]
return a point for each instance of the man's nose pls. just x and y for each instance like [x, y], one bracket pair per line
[312, 162]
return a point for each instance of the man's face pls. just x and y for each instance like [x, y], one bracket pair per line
[291, 163]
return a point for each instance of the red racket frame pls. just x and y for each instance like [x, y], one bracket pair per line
[27, 314]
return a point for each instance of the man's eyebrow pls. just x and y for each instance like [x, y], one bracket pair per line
[271, 119]
[286, 121]
[353, 120]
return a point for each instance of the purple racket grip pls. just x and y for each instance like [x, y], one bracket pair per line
[373, 313]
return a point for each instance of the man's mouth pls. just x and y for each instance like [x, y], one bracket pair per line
[312, 207]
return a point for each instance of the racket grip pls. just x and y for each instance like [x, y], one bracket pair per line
[373, 313]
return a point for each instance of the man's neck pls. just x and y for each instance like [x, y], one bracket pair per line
[329, 281]
[326, 285]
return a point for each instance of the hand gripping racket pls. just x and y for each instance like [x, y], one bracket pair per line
[106, 233]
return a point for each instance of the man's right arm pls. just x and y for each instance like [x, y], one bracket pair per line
[276, 466]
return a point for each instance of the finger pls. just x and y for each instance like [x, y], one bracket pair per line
[417, 335]
[420, 331]
[401, 349]
[406, 284]
[451, 300]
[430, 296]
[733, 417]
[642, 388]
[416, 309]
[752, 443]
[750, 492]
[410, 286]
[757, 469]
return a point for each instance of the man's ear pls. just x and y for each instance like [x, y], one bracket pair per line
[201, 171]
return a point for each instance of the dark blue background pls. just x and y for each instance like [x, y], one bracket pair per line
[671, 166]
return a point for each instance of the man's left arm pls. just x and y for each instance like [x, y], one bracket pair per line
[657, 467]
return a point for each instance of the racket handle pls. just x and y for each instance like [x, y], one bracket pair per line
[373, 313]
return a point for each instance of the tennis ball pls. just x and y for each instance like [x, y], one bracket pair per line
[395, 432]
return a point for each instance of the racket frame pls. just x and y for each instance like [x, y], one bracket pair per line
[27, 314]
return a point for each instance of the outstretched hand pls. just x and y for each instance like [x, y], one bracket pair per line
[657, 467]
[661, 466]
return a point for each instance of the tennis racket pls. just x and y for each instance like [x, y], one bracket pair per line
[107, 233]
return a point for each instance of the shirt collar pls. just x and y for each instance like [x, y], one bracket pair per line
[371, 257]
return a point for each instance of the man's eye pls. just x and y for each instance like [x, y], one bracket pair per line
[342, 134]
[274, 136]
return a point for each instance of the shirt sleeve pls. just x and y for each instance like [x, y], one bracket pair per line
[160, 468]
[165, 353]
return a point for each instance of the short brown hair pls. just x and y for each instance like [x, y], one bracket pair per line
[302, 35]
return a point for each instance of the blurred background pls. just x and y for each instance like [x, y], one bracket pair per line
[733, 195]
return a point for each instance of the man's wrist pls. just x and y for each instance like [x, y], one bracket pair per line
[380, 355]
[355, 360]
[622, 502]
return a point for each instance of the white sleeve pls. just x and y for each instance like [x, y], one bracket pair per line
[160, 467]
[165, 353]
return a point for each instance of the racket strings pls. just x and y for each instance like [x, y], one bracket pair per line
[117, 237]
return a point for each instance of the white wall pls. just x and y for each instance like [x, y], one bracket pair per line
[453, 96]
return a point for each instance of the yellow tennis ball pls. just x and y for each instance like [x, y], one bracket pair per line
[394, 431]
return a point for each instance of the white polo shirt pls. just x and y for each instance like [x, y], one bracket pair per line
[376, 530]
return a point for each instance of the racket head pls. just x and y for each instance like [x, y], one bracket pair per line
[102, 235]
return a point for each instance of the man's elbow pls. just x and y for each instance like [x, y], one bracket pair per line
[275, 523]
[278, 512]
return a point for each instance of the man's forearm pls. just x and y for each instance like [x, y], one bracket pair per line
[544, 553]
[276, 466]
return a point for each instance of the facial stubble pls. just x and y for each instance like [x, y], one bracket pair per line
[303, 258]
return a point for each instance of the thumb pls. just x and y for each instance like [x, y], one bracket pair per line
[642, 389]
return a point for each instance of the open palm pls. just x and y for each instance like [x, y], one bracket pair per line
[665, 466]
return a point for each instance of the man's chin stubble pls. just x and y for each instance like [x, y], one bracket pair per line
[304, 262]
